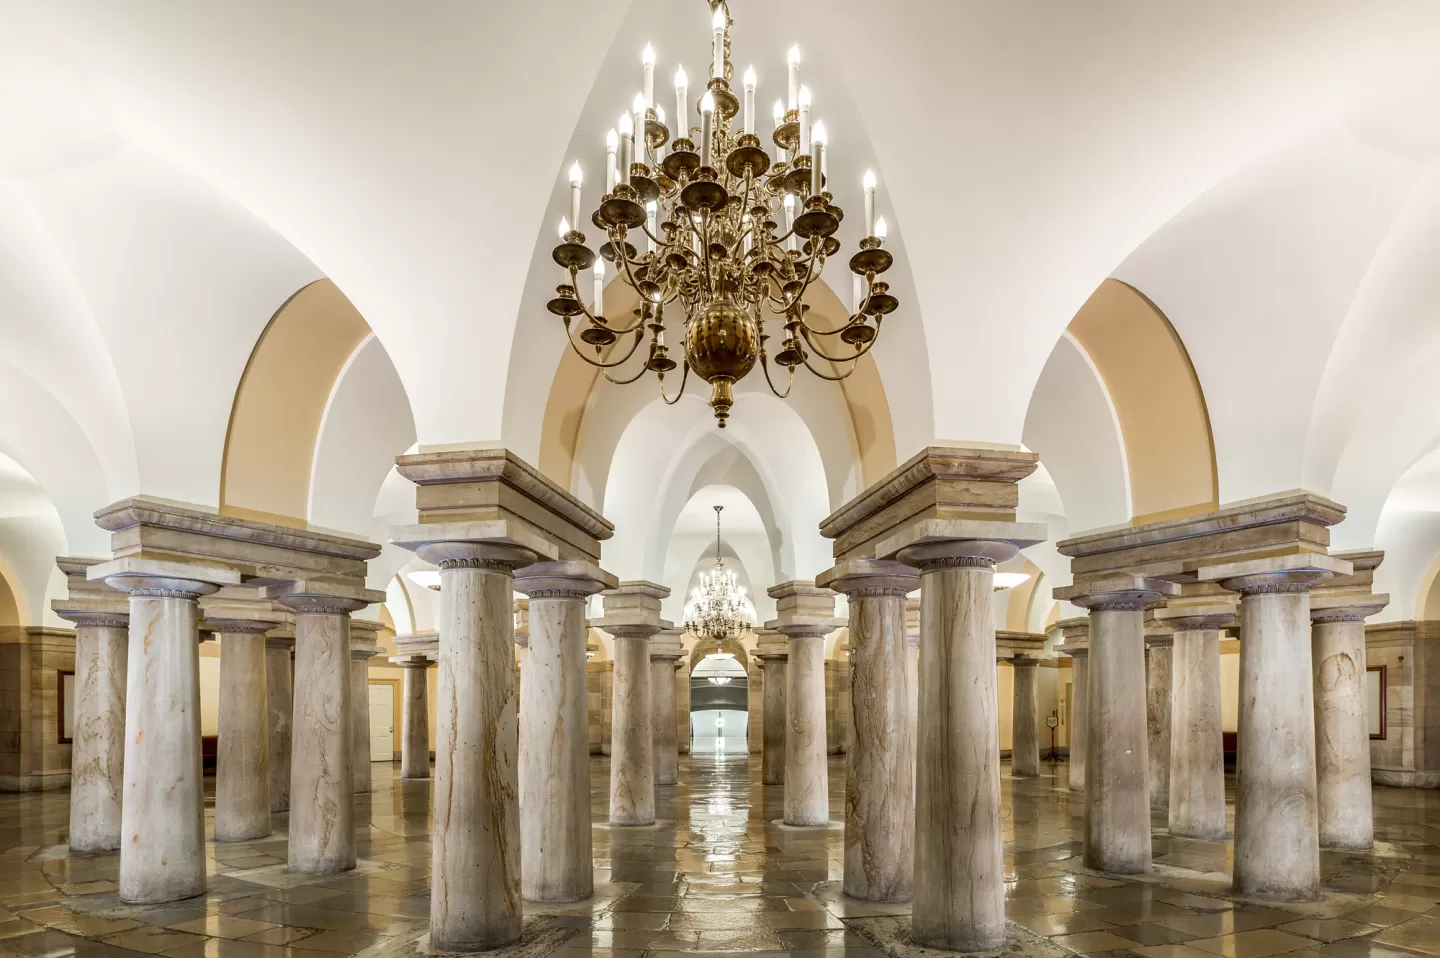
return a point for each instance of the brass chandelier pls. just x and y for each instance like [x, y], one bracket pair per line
[716, 610]
[709, 205]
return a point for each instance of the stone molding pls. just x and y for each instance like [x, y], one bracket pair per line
[864, 578]
[1345, 608]
[1283, 574]
[632, 609]
[570, 578]
[1116, 592]
[803, 609]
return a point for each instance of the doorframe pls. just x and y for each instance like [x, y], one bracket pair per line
[395, 709]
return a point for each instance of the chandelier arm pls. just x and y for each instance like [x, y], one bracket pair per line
[835, 359]
[810, 277]
[644, 368]
[826, 376]
[569, 336]
[765, 366]
[684, 378]
[588, 314]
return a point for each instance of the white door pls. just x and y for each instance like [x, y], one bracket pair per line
[382, 722]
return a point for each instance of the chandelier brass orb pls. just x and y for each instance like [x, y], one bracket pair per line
[734, 230]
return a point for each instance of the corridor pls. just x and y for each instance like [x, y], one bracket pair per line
[715, 875]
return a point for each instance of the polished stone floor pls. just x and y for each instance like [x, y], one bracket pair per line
[715, 876]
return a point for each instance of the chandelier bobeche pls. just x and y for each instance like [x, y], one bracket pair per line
[709, 205]
[716, 610]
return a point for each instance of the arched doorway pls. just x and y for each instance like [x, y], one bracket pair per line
[719, 699]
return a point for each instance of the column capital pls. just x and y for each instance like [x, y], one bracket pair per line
[364, 635]
[1117, 592]
[803, 609]
[1276, 574]
[771, 645]
[978, 543]
[1201, 614]
[103, 613]
[912, 622]
[565, 578]
[632, 609]
[864, 578]
[286, 642]
[1346, 608]
[1075, 635]
[416, 647]
[501, 544]
[241, 616]
[321, 597]
[132, 574]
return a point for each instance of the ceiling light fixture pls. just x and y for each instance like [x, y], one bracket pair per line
[731, 234]
[717, 607]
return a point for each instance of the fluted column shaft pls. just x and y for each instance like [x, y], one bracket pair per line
[632, 761]
[1024, 734]
[162, 834]
[242, 767]
[664, 743]
[807, 778]
[322, 783]
[279, 698]
[1197, 760]
[879, 768]
[1117, 796]
[1159, 677]
[555, 844]
[97, 751]
[1342, 736]
[772, 740]
[959, 901]
[1079, 726]
[415, 722]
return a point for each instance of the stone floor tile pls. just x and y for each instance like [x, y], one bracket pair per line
[1418, 934]
[1087, 942]
[151, 939]
[1328, 929]
[1259, 943]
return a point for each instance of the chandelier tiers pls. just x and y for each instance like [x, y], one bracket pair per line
[717, 603]
[709, 205]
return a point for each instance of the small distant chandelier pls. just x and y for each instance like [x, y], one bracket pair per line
[720, 679]
[716, 610]
[731, 234]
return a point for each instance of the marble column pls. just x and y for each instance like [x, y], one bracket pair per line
[1076, 645]
[664, 653]
[807, 778]
[1117, 793]
[415, 720]
[322, 754]
[1277, 845]
[1197, 760]
[554, 774]
[959, 900]
[360, 655]
[162, 830]
[279, 697]
[242, 766]
[632, 761]
[1342, 733]
[773, 657]
[912, 664]
[1024, 733]
[879, 769]
[97, 751]
[1158, 680]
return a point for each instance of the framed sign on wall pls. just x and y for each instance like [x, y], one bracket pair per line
[1375, 700]
[66, 706]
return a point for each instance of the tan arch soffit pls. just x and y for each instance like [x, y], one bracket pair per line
[575, 380]
[1165, 425]
[280, 404]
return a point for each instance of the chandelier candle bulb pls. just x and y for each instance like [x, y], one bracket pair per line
[612, 143]
[599, 306]
[880, 229]
[869, 183]
[794, 78]
[575, 180]
[857, 291]
[564, 228]
[627, 143]
[638, 108]
[749, 116]
[647, 60]
[660, 150]
[707, 126]
[804, 146]
[650, 210]
[778, 111]
[790, 221]
[817, 159]
[682, 106]
[717, 23]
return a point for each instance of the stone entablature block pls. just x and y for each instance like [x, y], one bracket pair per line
[1409, 754]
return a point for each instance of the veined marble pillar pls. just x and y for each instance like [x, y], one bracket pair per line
[1159, 671]
[279, 697]
[242, 767]
[805, 615]
[362, 650]
[322, 754]
[664, 653]
[97, 751]
[632, 760]
[1197, 760]
[162, 832]
[879, 768]
[1117, 794]
[555, 847]
[1342, 734]
[773, 654]
[1024, 733]
[1076, 645]
[959, 902]
[912, 663]
[415, 720]
[1277, 845]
